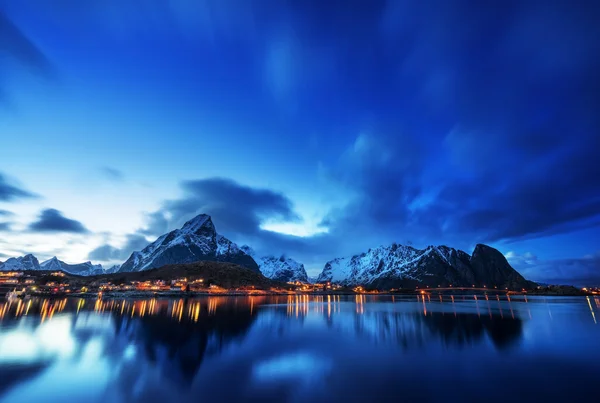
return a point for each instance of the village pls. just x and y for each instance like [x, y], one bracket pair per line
[61, 284]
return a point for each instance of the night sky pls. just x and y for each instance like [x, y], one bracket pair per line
[314, 129]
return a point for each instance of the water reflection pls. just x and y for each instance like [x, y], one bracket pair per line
[272, 347]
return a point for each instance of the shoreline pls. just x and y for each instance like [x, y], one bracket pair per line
[199, 294]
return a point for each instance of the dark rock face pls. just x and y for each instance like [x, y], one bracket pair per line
[491, 267]
[196, 241]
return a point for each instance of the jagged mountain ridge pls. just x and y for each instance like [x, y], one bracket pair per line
[27, 262]
[30, 262]
[196, 241]
[404, 266]
[278, 268]
[81, 269]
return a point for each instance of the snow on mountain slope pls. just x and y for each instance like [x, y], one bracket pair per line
[278, 268]
[197, 240]
[81, 269]
[27, 262]
[30, 262]
[366, 267]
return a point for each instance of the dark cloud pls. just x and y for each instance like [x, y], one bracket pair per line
[51, 220]
[112, 174]
[236, 208]
[5, 226]
[157, 224]
[11, 192]
[108, 253]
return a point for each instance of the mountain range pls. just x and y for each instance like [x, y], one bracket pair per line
[384, 267]
[30, 262]
[399, 266]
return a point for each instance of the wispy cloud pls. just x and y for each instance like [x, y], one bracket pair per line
[11, 192]
[112, 174]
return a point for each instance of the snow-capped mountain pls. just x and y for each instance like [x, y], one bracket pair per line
[112, 269]
[278, 268]
[81, 269]
[197, 240]
[404, 266]
[27, 262]
[30, 262]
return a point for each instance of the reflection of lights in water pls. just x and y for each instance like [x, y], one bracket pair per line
[359, 299]
[591, 309]
[296, 367]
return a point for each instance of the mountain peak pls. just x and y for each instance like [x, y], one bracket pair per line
[197, 240]
[200, 223]
[485, 249]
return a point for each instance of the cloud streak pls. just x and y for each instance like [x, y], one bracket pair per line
[112, 174]
[10, 192]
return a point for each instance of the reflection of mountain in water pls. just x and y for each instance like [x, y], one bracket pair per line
[15, 374]
[412, 329]
[180, 346]
[170, 339]
[469, 328]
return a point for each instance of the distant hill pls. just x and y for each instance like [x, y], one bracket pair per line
[280, 268]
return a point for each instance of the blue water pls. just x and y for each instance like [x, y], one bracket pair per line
[301, 349]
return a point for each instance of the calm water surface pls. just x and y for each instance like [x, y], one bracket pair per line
[300, 349]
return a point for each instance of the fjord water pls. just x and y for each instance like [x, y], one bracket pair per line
[300, 348]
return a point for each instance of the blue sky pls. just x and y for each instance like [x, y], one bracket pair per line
[315, 129]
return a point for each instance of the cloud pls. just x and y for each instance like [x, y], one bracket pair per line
[4, 226]
[6, 213]
[17, 46]
[237, 208]
[157, 224]
[498, 127]
[580, 272]
[112, 174]
[107, 253]
[51, 220]
[10, 192]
